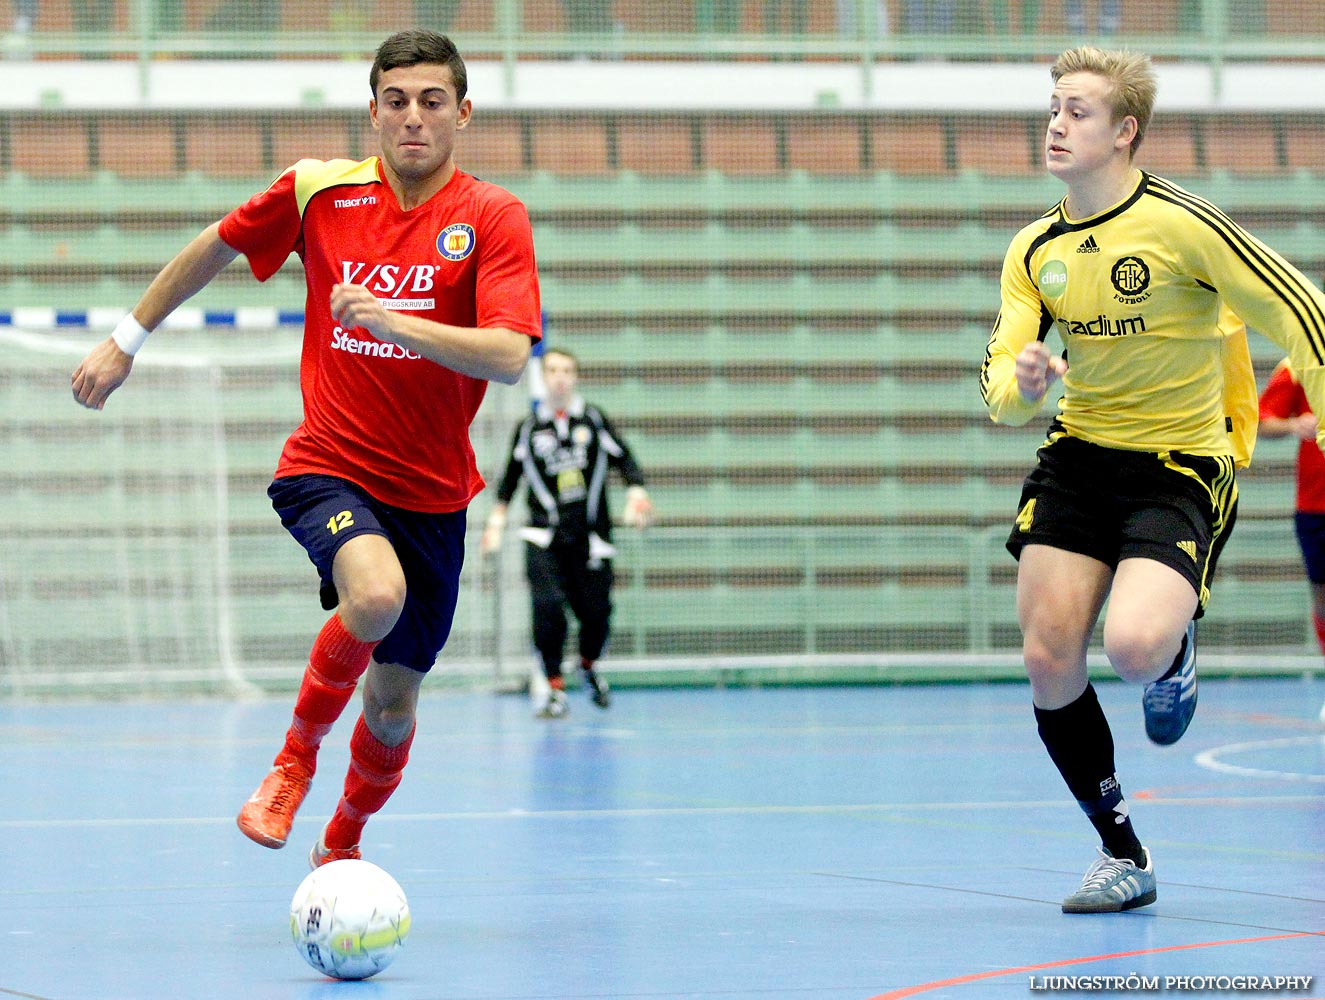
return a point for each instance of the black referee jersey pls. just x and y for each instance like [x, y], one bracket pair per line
[564, 460]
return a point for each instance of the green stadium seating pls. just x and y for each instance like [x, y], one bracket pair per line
[793, 352]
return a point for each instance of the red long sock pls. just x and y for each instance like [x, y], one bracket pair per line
[1319, 622]
[335, 665]
[375, 772]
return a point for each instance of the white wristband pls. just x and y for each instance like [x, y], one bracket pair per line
[130, 335]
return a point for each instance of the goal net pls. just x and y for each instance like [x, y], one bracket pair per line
[139, 552]
[113, 549]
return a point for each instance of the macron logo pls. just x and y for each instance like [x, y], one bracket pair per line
[368, 199]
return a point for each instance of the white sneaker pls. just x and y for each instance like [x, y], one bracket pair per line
[538, 686]
[1112, 885]
[555, 706]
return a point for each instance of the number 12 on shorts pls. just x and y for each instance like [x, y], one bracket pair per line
[339, 522]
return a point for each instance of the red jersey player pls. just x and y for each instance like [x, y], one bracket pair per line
[1284, 412]
[421, 288]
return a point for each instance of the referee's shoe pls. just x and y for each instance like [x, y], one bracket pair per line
[555, 707]
[598, 689]
[1170, 702]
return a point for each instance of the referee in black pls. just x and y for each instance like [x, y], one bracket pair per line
[563, 451]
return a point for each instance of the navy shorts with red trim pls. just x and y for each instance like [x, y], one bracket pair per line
[1310, 529]
[325, 512]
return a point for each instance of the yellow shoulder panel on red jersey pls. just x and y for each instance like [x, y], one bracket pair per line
[312, 176]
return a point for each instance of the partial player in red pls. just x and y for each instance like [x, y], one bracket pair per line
[422, 287]
[1284, 413]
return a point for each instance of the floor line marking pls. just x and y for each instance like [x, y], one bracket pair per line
[651, 811]
[1133, 915]
[1209, 759]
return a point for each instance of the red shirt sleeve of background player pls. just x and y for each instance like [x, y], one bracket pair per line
[1281, 396]
[506, 291]
[267, 228]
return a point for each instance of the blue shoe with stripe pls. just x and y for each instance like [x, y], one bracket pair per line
[1169, 704]
[1112, 885]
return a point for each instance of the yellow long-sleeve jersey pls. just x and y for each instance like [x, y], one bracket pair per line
[1146, 298]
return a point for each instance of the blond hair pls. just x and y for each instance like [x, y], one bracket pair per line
[1131, 78]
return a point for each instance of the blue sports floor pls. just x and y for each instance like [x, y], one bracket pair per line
[778, 844]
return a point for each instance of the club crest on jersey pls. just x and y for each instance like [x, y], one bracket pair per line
[456, 241]
[1131, 277]
[543, 443]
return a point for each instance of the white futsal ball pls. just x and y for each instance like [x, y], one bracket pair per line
[348, 919]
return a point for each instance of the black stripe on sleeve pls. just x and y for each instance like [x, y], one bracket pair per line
[989, 348]
[1288, 289]
[1046, 322]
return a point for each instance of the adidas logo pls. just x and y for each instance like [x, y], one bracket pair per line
[1189, 548]
[1090, 246]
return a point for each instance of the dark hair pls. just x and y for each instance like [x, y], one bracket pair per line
[416, 46]
[565, 354]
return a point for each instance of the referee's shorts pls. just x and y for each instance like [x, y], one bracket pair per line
[1111, 504]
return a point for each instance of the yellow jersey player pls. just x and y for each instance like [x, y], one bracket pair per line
[1134, 492]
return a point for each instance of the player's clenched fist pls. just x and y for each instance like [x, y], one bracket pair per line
[355, 306]
[100, 373]
[1037, 370]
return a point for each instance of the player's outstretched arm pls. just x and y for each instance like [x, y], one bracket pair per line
[108, 364]
[1304, 427]
[639, 511]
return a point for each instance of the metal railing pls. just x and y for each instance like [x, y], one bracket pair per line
[925, 602]
[1201, 31]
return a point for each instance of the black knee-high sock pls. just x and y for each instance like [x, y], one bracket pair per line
[1177, 660]
[1080, 744]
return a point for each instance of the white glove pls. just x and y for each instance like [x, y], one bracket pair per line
[639, 509]
[492, 533]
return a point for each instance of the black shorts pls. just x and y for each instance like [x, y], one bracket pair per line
[1111, 504]
[1311, 540]
[324, 512]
